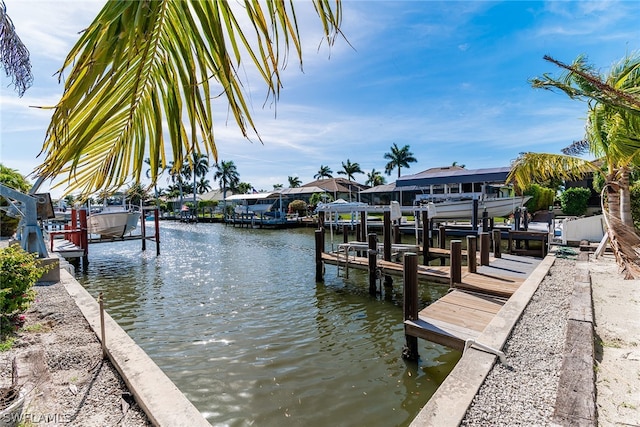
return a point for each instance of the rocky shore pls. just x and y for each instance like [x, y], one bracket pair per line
[524, 391]
[61, 370]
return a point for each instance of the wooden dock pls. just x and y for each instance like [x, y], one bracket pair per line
[464, 313]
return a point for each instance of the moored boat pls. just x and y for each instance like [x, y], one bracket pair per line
[113, 220]
[462, 209]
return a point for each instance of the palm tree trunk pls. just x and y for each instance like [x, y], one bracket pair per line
[625, 198]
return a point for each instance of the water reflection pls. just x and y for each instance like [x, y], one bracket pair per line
[236, 320]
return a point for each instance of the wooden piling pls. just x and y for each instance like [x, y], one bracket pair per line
[373, 256]
[156, 221]
[345, 233]
[386, 232]
[456, 262]
[84, 237]
[426, 241]
[410, 306]
[472, 260]
[485, 220]
[484, 248]
[396, 234]
[442, 240]
[363, 226]
[474, 215]
[319, 234]
[497, 243]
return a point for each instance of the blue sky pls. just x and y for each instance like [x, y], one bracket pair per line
[450, 79]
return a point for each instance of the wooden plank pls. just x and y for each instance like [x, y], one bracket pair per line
[441, 335]
[575, 401]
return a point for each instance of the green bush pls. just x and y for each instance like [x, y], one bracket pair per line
[541, 197]
[299, 207]
[19, 271]
[10, 178]
[574, 200]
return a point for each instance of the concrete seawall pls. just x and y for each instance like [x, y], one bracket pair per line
[157, 395]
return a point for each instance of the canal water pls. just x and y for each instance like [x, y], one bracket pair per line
[237, 321]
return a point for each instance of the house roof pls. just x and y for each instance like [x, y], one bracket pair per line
[301, 190]
[453, 175]
[339, 185]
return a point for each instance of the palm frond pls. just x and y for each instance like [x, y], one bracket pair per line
[142, 81]
[529, 168]
[13, 54]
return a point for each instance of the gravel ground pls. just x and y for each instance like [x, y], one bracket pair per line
[524, 391]
[61, 369]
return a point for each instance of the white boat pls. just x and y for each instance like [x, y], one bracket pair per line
[461, 209]
[113, 220]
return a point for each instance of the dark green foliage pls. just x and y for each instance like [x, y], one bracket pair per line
[10, 178]
[635, 203]
[541, 197]
[574, 200]
[19, 271]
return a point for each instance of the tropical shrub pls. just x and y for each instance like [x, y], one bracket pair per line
[19, 271]
[541, 197]
[299, 207]
[320, 198]
[574, 200]
[10, 178]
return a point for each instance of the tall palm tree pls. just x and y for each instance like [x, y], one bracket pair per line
[176, 177]
[375, 178]
[612, 136]
[198, 166]
[350, 169]
[227, 176]
[144, 71]
[324, 172]
[398, 158]
[294, 182]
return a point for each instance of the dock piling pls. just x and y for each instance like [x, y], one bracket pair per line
[426, 241]
[497, 243]
[484, 248]
[319, 249]
[472, 247]
[373, 256]
[410, 306]
[456, 262]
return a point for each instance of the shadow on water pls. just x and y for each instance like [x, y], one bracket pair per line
[237, 321]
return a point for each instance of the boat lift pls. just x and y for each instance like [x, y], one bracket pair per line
[29, 232]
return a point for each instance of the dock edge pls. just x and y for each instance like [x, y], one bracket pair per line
[449, 404]
[163, 403]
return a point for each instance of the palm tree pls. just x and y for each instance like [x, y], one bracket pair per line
[176, 178]
[349, 169]
[228, 178]
[375, 178]
[244, 187]
[197, 167]
[454, 164]
[203, 185]
[277, 187]
[294, 182]
[398, 158]
[146, 71]
[323, 172]
[612, 130]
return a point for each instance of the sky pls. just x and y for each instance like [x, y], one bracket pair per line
[449, 79]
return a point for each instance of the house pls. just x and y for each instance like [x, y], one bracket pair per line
[454, 182]
[339, 188]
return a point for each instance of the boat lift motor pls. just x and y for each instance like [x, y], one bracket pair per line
[29, 232]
